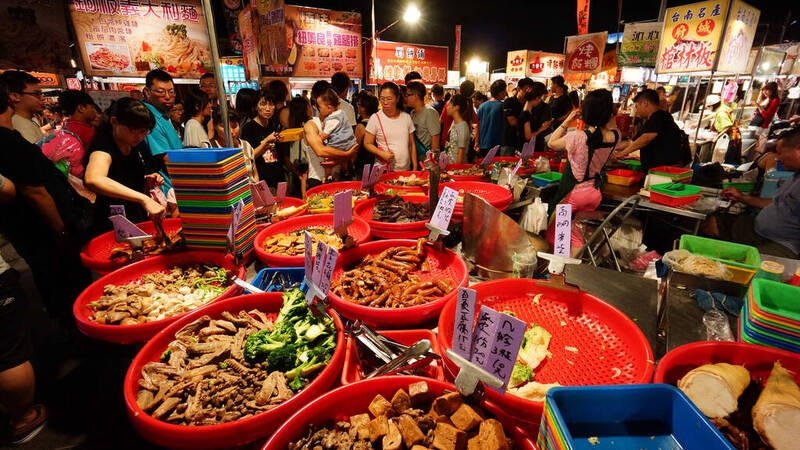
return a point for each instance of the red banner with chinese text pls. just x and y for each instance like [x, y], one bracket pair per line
[583, 16]
[395, 59]
[457, 57]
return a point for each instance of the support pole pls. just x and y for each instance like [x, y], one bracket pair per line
[223, 100]
[702, 111]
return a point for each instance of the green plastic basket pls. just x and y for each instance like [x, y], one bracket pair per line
[675, 189]
[733, 254]
[780, 299]
[543, 179]
[744, 188]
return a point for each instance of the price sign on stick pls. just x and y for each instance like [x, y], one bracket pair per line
[281, 192]
[319, 261]
[444, 159]
[444, 211]
[464, 318]
[377, 171]
[265, 193]
[236, 217]
[327, 270]
[490, 156]
[563, 236]
[503, 353]
[527, 149]
[365, 176]
[125, 229]
[309, 259]
[516, 168]
[342, 210]
[482, 337]
[258, 201]
[116, 210]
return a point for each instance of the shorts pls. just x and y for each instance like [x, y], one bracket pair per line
[15, 343]
[742, 229]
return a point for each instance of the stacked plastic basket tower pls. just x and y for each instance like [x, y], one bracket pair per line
[208, 183]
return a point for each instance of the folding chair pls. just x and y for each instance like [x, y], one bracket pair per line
[607, 224]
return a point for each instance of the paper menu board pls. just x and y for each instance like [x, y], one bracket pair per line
[738, 37]
[691, 37]
[130, 38]
[639, 46]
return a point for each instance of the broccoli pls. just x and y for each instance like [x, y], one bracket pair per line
[297, 384]
[306, 368]
[258, 345]
[283, 358]
[520, 375]
[294, 308]
[534, 346]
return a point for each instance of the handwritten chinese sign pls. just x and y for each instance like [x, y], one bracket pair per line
[132, 37]
[639, 46]
[464, 318]
[738, 38]
[444, 209]
[563, 237]
[395, 59]
[585, 53]
[691, 37]
[495, 342]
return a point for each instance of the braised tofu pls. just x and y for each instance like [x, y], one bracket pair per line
[448, 437]
[360, 423]
[380, 407]
[419, 393]
[378, 428]
[474, 443]
[419, 447]
[401, 401]
[410, 431]
[393, 440]
[492, 435]
[465, 418]
[448, 404]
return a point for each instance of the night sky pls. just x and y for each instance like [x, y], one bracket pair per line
[490, 28]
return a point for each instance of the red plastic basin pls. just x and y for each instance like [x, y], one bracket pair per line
[383, 186]
[355, 399]
[126, 334]
[333, 188]
[756, 358]
[411, 230]
[96, 254]
[288, 202]
[498, 196]
[351, 372]
[359, 229]
[523, 171]
[232, 433]
[450, 167]
[443, 263]
[604, 336]
[657, 197]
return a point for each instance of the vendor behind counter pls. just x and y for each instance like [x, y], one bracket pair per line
[776, 228]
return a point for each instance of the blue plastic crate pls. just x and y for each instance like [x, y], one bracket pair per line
[646, 416]
[294, 274]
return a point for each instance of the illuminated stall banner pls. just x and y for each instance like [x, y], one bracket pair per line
[691, 37]
[132, 37]
[639, 46]
[544, 65]
[515, 63]
[738, 37]
[395, 59]
[585, 53]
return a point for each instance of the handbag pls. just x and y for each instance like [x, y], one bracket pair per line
[757, 120]
[380, 123]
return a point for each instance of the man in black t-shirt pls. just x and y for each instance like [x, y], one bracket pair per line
[660, 140]
[535, 124]
[560, 103]
[513, 134]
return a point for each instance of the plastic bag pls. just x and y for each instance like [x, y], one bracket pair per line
[542, 164]
[717, 326]
[534, 218]
[684, 261]
[720, 149]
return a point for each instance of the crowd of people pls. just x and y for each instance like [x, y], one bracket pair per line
[59, 176]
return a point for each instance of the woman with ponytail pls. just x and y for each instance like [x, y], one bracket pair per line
[587, 153]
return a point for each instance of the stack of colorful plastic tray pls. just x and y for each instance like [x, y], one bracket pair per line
[744, 187]
[633, 164]
[208, 182]
[771, 315]
[546, 178]
[676, 174]
[674, 194]
[742, 260]
[635, 416]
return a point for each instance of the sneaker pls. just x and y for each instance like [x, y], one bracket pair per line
[28, 432]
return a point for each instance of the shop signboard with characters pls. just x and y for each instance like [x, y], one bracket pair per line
[393, 60]
[584, 53]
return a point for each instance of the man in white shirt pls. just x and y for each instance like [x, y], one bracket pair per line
[341, 84]
[26, 99]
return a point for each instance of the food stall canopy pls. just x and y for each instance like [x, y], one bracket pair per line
[584, 53]
[320, 42]
[121, 39]
[707, 36]
[395, 59]
[34, 36]
[639, 46]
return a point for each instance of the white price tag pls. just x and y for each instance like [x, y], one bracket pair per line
[444, 209]
[563, 237]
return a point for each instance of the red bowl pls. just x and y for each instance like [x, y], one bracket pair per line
[574, 319]
[365, 211]
[359, 229]
[232, 433]
[96, 254]
[497, 196]
[450, 167]
[333, 188]
[383, 186]
[442, 263]
[351, 372]
[756, 358]
[288, 202]
[126, 334]
[523, 172]
[355, 398]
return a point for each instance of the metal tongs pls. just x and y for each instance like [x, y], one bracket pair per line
[395, 356]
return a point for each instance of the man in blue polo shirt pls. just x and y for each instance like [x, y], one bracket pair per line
[490, 118]
[776, 229]
[159, 98]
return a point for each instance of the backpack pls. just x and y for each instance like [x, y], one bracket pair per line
[685, 149]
